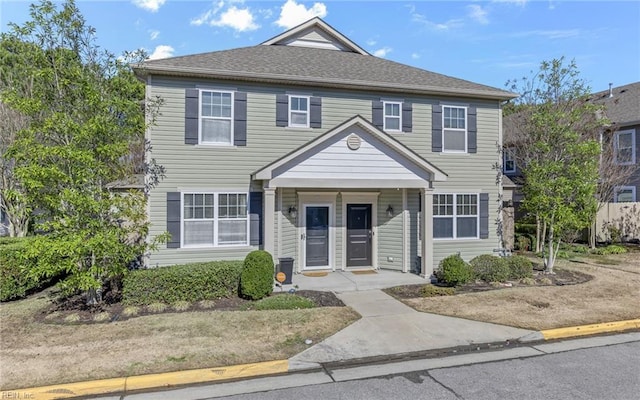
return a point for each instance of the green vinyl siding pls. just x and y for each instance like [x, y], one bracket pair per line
[220, 168]
[390, 230]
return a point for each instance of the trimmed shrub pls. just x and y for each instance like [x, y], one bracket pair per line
[188, 282]
[281, 302]
[523, 242]
[16, 282]
[454, 271]
[520, 267]
[490, 268]
[256, 279]
[434, 291]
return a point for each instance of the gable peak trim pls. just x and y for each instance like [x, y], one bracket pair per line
[320, 24]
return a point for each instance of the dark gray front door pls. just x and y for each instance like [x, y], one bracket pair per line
[359, 235]
[317, 236]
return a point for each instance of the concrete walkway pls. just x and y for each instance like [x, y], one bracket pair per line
[389, 327]
[346, 281]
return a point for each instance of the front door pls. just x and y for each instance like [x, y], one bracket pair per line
[359, 235]
[316, 236]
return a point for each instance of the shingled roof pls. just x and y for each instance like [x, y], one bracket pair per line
[282, 63]
[622, 104]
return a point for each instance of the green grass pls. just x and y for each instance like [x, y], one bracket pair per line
[281, 302]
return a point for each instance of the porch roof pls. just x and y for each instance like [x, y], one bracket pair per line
[354, 154]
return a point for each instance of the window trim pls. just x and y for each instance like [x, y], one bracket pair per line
[623, 188]
[308, 112]
[215, 220]
[455, 216]
[465, 130]
[230, 118]
[508, 151]
[616, 141]
[385, 116]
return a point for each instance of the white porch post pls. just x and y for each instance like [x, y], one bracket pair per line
[269, 219]
[427, 232]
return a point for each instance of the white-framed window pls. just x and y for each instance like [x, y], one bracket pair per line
[298, 111]
[624, 194]
[392, 116]
[509, 160]
[216, 117]
[454, 129]
[455, 216]
[212, 219]
[625, 147]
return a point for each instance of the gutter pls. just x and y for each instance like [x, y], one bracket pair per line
[141, 70]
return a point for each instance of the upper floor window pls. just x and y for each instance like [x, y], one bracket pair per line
[624, 194]
[625, 147]
[392, 116]
[216, 117]
[299, 111]
[509, 162]
[455, 216]
[454, 132]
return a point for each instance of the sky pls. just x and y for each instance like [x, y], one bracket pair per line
[488, 42]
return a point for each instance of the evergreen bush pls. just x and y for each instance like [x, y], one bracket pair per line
[256, 279]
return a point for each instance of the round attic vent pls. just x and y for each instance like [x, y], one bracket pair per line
[353, 141]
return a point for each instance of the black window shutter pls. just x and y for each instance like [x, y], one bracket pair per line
[191, 116]
[436, 128]
[377, 118]
[407, 117]
[173, 219]
[255, 218]
[472, 130]
[240, 119]
[282, 110]
[315, 115]
[484, 215]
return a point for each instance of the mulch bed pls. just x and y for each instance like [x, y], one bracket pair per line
[111, 309]
[561, 277]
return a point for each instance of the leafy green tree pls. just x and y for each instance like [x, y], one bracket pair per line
[556, 139]
[85, 112]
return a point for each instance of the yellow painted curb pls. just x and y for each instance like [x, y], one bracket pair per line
[583, 330]
[206, 375]
[164, 380]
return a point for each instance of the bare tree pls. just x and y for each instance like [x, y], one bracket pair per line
[13, 202]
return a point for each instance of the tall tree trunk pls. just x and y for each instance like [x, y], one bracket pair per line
[552, 253]
[538, 234]
[592, 235]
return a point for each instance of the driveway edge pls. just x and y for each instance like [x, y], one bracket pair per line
[166, 380]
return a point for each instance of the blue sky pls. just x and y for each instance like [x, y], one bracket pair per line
[488, 42]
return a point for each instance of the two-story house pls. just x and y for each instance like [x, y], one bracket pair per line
[309, 147]
[622, 108]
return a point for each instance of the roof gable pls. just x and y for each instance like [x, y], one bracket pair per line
[315, 33]
[375, 157]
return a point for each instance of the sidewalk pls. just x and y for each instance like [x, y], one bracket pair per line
[389, 327]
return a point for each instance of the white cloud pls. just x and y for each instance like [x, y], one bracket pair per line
[153, 34]
[162, 51]
[293, 14]
[520, 3]
[205, 17]
[442, 26]
[382, 53]
[240, 19]
[477, 13]
[149, 5]
[415, 56]
[550, 34]
[371, 42]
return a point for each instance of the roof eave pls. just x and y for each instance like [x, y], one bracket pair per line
[142, 70]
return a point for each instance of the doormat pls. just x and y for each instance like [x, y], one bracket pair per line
[365, 272]
[315, 274]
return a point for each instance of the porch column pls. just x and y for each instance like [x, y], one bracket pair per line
[269, 219]
[427, 232]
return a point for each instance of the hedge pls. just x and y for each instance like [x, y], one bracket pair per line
[454, 271]
[188, 282]
[256, 279]
[490, 268]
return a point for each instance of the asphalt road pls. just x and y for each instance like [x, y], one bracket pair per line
[603, 367]
[610, 372]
